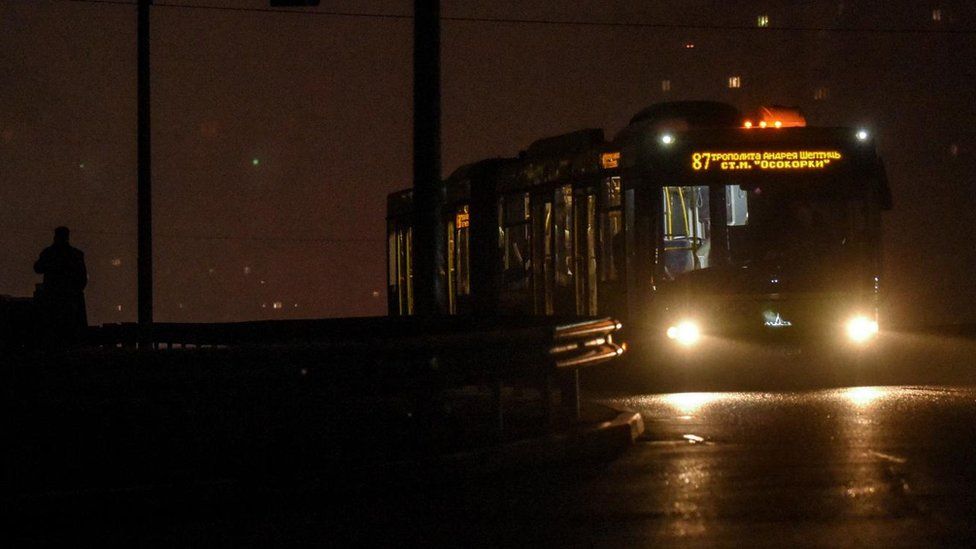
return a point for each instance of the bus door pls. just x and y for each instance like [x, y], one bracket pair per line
[516, 249]
[612, 260]
[553, 262]
[542, 254]
[458, 260]
[400, 268]
[585, 246]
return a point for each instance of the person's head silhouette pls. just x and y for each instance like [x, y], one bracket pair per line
[61, 235]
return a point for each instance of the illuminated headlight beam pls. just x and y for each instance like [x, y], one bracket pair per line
[861, 328]
[685, 333]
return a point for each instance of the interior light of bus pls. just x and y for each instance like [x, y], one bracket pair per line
[667, 139]
[862, 135]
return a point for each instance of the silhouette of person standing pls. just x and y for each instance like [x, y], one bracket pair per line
[61, 298]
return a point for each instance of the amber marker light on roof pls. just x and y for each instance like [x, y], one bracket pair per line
[762, 123]
[748, 124]
[778, 124]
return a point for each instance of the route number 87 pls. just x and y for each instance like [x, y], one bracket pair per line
[700, 161]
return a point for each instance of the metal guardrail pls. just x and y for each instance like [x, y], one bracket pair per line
[545, 352]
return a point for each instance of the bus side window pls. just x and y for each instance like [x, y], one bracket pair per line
[462, 259]
[611, 231]
[515, 240]
[736, 206]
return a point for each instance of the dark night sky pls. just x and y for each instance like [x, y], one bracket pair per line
[323, 103]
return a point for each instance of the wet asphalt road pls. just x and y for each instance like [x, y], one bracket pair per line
[883, 466]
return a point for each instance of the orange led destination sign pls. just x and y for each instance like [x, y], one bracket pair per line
[796, 160]
[610, 160]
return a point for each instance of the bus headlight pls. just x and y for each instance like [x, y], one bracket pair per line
[686, 333]
[861, 329]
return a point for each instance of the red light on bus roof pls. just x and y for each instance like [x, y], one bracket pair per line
[781, 117]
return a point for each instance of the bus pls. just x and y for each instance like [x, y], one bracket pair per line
[693, 221]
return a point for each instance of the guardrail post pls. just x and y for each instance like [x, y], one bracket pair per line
[545, 392]
[571, 394]
[497, 408]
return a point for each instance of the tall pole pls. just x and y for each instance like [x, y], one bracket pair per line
[144, 192]
[428, 194]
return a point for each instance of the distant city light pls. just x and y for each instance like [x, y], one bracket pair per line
[690, 45]
[117, 262]
[735, 82]
[277, 305]
[81, 165]
[118, 308]
[255, 161]
[937, 15]
[762, 21]
[247, 269]
[862, 135]
[665, 85]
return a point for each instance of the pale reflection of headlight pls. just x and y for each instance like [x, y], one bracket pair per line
[686, 333]
[861, 329]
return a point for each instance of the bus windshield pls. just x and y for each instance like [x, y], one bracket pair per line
[786, 227]
[791, 227]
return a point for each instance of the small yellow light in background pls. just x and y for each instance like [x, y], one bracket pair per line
[748, 124]
[778, 124]
[762, 123]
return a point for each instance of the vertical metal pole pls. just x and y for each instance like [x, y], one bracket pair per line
[144, 192]
[428, 194]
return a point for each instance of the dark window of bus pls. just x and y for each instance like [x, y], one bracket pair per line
[801, 226]
[564, 236]
[686, 237]
[462, 258]
[452, 268]
[611, 231]
[586, 250]
[405, 270]
[515, 239]
[391, 258]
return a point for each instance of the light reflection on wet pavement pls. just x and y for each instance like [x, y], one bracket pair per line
[853, 466]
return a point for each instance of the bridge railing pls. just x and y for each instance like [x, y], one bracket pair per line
[426, 356]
